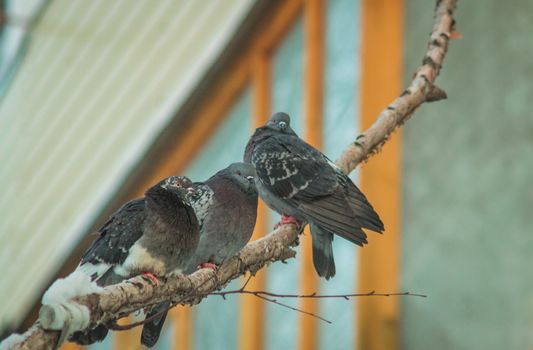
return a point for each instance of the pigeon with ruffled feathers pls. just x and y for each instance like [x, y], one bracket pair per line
[303, 185]
[155, 235]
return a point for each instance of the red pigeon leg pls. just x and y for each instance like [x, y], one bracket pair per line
[208, 265]
[287, 219]
[151, 277]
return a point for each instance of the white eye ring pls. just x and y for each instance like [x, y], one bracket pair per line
[282, 124]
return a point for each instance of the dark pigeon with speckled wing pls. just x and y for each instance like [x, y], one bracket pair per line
[226, 208]
[297, 180]
[156, 234]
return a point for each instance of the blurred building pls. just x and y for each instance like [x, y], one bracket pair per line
[100, 99]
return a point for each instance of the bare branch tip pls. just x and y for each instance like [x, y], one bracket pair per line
[435, 94]
[456, 35]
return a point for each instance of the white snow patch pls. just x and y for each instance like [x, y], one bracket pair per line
[68, 316]
[11, 341]
[64, 289]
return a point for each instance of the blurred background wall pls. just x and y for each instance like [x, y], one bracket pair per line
[101, 99]
[467, 185]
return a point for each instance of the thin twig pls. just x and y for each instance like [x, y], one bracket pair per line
[264, 297]
[246, 283]
[293, 308]
[318, 296]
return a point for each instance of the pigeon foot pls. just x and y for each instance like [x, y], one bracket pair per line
[208, 265]
[150, 277]
[287, 219]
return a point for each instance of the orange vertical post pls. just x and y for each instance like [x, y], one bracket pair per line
[71, 346]
[314, 12]
[183, 330]
[130, 339]
[382, 45]
[252, 309]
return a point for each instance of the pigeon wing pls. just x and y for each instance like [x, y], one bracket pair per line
[302, 176]
[117, 236]
[292, 169]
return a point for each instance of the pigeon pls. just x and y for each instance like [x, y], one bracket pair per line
[226, 208]
[154, 236]
[303, 185]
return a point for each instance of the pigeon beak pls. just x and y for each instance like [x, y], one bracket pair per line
[251, 180]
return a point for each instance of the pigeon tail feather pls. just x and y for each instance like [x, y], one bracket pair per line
[152, 330]
[334, 216]
[322, 251]
[89, 337]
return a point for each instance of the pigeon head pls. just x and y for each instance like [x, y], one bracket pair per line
[242, 174]
[280, 122]
[170, 190]
[180, 185]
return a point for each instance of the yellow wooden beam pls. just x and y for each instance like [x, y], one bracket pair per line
[182, 328]
[252, 309]
[130, 339]
[382, 45]
[314, 29]
[71, 346]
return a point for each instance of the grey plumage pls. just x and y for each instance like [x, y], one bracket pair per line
[157, 233]
[296, 179]
[228, 219]
[226, 208]
[322, 251]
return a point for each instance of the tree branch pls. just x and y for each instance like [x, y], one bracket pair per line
[421, 89]
[268, 296]
[119, 300]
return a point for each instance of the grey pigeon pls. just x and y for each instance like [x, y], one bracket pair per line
[226, 208]
[301, 183]
[154, 235]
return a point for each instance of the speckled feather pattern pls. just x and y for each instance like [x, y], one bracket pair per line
[296, 179]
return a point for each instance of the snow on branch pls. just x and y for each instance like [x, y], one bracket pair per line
[120, 300]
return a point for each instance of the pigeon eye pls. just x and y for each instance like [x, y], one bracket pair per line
[178, 184]
[282, 124]
[239, 173]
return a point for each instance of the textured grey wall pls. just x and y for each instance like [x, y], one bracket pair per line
[468, 184]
